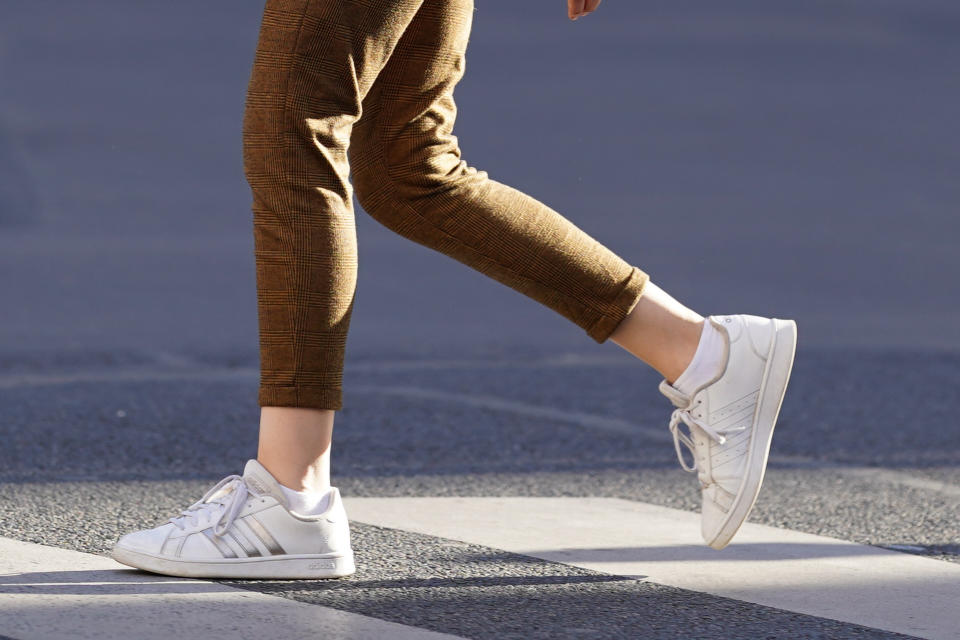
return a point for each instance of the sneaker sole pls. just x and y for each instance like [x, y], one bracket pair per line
[776, 376]
[275, 567]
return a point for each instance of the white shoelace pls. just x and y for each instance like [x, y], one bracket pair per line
[231, 503]
[679, 437]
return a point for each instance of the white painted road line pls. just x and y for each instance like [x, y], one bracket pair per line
[779, 568]
[494, 403]
[48, 594]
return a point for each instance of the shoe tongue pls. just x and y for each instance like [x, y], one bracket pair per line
[260, 482]
[676, 397]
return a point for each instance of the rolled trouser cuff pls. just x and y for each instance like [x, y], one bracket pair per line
[622, 305]
[301, 396]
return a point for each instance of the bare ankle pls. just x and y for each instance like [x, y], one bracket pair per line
[660, 331]
[295, 446]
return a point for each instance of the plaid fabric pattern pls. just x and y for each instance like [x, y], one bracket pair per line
[366, 86]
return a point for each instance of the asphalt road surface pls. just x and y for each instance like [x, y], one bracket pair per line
[797, 160]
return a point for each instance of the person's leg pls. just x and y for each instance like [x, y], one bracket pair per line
[314, 64]
[315, 61]
[726, 376]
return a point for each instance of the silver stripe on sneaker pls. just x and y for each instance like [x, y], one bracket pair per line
[248, 547]
[221, 546]
[261, 532]
[168, 545]
[243, 527]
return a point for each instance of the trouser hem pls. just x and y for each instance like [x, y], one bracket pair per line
[623, 304]
[301, 396]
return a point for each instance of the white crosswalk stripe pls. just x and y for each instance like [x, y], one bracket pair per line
[789, 570]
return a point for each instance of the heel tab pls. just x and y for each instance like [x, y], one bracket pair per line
[677, 398]
[335, 510]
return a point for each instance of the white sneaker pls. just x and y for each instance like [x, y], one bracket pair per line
[242, 528]
[731, 419]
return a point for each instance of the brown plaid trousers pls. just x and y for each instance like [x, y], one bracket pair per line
[377, 77]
